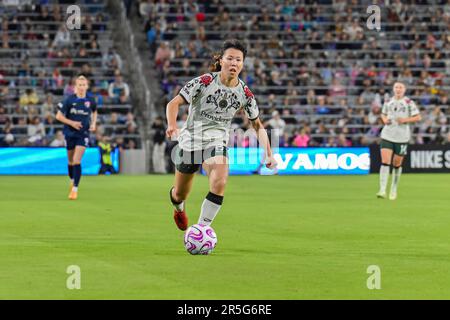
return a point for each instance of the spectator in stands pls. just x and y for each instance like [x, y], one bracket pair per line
[131, 144]
[118, 90]
[374, 114]
[36, 131]
[69, 89]
[3, 116]
[48, 106]
[277, 123]
[288, 118]
[8, 139]
[162, 54]
[130, 120]
[29, 98]
[97, 95]
[159, 146]
[86, 70]
[112, 60]
[62, 38]
[337, 89]
[301, 138]
[186, 69]
[57, 82]
[113, 123]
[322, 132]
[81, 57]
[342, 141]
[145, 8]
[58, 140]
[321, 107]
[119, 143]
[49, 122]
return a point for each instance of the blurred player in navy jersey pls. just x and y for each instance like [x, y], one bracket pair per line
[78, 112]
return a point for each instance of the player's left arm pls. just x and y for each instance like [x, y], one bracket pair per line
[252, 112]
[263, 139]
[412, 119]
[93, 126]
[415, 115]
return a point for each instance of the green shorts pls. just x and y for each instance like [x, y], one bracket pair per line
[190, 161]
[398, 148]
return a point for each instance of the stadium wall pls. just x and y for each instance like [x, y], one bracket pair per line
[301, 161]
[420, 159]
[49, 161]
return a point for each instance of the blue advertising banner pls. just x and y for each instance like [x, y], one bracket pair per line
[48, 161]
[298, 161]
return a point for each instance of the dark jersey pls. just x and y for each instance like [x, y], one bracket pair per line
[78, 109]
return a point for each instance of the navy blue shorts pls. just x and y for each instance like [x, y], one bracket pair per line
[72, 142]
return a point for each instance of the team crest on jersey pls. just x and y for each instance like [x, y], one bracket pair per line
[206, 79]
[223, 104]
[248, 93]
[87, 104]
[223, 100]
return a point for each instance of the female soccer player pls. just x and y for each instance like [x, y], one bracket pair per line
[213, 100]
[397, 114]
[78, 112]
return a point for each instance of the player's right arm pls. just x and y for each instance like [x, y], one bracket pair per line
[60, 116]
[171, 114]
[384, 116]
[185, 96]
[385, 119]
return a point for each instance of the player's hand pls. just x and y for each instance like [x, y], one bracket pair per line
[401, 120]
[92, 128]
[76, 125]
[271, 163]
[172, 132]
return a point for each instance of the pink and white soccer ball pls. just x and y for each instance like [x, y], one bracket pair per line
[200, 239]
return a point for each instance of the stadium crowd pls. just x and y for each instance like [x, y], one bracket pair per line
[40, 58]
[319, 74]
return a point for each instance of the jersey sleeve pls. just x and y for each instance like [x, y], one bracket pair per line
[384, 109]
[250, 106]
[94, 105]
[63, 106]
[191, 89]
[413, 109]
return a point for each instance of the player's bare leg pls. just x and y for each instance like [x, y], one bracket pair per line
[178, 194]
[77, 156]
[70, 154]
[386, 158]
[217, 170]
[396, 173]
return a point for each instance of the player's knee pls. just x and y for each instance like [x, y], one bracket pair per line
[386, 160]
[397, 164]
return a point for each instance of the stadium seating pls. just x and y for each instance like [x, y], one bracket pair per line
[40, 57]
[315, 62]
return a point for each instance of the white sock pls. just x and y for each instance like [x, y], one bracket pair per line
[179, 206]
[75, 189]
[210, 207]
[396, 173]
[384, 177]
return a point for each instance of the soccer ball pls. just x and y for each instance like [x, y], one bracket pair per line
[200, 239]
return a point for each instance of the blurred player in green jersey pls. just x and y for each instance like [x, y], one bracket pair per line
[397, 115]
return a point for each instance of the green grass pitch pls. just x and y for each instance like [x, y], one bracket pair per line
[279, 237]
